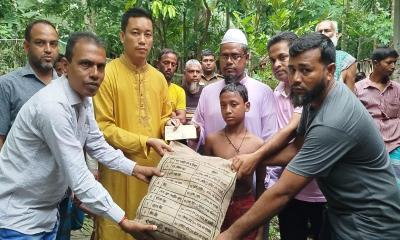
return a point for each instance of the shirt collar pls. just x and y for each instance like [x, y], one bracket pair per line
[244, 79]
[132, 67]
[215, 75]
[73, 97]
[28, 70]
[281, 89]
[369, 84]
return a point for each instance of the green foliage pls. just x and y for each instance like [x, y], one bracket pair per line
[12, 55]
[189, 26]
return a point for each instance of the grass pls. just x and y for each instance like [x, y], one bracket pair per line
[274, 229]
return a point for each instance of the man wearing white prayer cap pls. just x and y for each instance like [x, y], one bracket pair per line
[234, 35]
[261, 120]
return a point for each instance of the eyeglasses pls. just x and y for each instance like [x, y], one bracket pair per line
[234, 57]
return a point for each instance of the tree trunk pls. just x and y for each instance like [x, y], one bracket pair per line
[396, 24]
[359, 49]
[204, 34]
[88, 17]
[184, 35]
[227, 18]
[346, 5]
[396, 33]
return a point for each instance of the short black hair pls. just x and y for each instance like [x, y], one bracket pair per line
[236, 87]
[383, 52]
[314, 41]
[132, 13]
[76, 37]
[207, 52]
[166, 51]
[28, 28]
[289, 37]
[360, 76]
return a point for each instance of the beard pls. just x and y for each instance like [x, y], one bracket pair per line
[194, 87]
[230, 79]
[300, 100]
[168, 77]
[41, 64]
[334, 40]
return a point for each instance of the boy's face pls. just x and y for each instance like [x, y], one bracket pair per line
[233, 108]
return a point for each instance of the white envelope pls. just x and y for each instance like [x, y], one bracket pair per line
[182, 132]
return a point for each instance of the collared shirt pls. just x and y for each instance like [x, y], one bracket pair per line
[43, 155]
[260, 120]
[16, 88]
[285, 110]
[384, 108]
[215, 77]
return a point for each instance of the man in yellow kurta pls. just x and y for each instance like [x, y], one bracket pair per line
[167, 65]
[131, 108]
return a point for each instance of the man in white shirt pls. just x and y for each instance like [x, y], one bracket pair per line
[44, 151]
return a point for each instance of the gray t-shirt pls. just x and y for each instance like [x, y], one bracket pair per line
[344, 151]
[16, 88]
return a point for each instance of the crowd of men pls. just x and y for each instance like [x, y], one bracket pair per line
[329, 152]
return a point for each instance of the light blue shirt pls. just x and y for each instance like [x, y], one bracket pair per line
[16, 88]
[43, 155]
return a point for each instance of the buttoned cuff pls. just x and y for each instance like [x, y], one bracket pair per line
[127, 166]
[115, 213]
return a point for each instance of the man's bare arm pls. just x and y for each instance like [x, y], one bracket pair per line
[2, 140]
[349, 76]
[245, 164]
[268, 205]
[283, 157]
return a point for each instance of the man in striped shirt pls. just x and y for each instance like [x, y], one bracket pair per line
[381, 97]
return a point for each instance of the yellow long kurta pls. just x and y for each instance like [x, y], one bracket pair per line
[131, 106]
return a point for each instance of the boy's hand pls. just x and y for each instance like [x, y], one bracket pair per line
[145, 173]
[159, 146]
[132, 227]
[244, 164]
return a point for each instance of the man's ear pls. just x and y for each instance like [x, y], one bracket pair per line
[66, 64]
[247, 56]
[331, 68]
[338, 35]
[247, 106]
[26, 47]
[122, 36]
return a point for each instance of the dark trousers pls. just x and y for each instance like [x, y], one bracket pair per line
[300, 219]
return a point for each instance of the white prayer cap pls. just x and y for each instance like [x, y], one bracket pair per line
[234, 35]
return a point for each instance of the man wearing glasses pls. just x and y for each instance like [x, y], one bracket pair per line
[261, 119]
